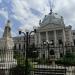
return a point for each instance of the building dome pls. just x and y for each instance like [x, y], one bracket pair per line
[52, 18]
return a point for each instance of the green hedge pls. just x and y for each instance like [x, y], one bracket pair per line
[22, 65]
[68, 59]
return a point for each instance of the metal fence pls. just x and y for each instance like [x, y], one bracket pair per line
[41, 60]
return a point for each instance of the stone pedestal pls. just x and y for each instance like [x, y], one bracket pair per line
[6, 66]
[53, 62]
[4, 72]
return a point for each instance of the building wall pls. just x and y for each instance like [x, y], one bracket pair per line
[20, 42]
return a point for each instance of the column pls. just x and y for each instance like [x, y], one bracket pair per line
[55, 38]
[64, 38]
[39, 38]
[35, 38]
[70, 37]
[64, 41]
[47, 37]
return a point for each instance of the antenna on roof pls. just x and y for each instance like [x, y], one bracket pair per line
[51, 3]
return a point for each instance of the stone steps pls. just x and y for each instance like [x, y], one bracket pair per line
[49, 71]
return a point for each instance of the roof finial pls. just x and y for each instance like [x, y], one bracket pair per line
[50, 11]
[51, 3]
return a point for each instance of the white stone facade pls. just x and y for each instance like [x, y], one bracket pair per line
[53, 30]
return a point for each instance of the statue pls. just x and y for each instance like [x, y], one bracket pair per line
[6, 50]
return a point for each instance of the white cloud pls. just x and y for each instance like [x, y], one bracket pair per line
[0, 1]
[1, 30]
[13, 34]
[4, 13]
[22, 12]
[66, 9]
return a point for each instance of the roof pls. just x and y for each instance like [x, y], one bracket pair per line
[52, 18]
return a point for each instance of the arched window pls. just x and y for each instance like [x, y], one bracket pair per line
[52, 52]
[60, 41]
[61, 55]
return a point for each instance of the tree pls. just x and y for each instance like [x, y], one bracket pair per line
[22, 65]
[67, 59]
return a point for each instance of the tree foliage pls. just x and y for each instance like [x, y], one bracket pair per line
[68, 59]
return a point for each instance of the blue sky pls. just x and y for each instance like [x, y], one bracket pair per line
[25, 14]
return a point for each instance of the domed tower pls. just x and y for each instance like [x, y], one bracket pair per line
[52, 18]
[7, 30]
[52, 28]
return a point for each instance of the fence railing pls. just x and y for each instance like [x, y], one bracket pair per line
[43, 60]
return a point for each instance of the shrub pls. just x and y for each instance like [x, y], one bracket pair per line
[68, 59]
[22, 65]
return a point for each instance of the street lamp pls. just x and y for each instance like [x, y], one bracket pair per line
[27, 34]
[49, 43]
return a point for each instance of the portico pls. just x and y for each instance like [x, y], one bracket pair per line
[52, 36]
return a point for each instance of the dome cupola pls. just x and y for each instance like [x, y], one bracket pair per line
[52, 18]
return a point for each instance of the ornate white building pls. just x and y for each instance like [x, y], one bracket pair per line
[53, 29]
[53, 32]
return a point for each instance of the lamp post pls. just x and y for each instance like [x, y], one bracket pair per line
[48, 44]
[27, 34]
[52, 58]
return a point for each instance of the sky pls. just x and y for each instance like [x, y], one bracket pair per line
[25, 14]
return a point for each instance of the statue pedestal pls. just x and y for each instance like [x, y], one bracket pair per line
[5, 67]
[4, 72]
[53, 63]
[7, 62]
